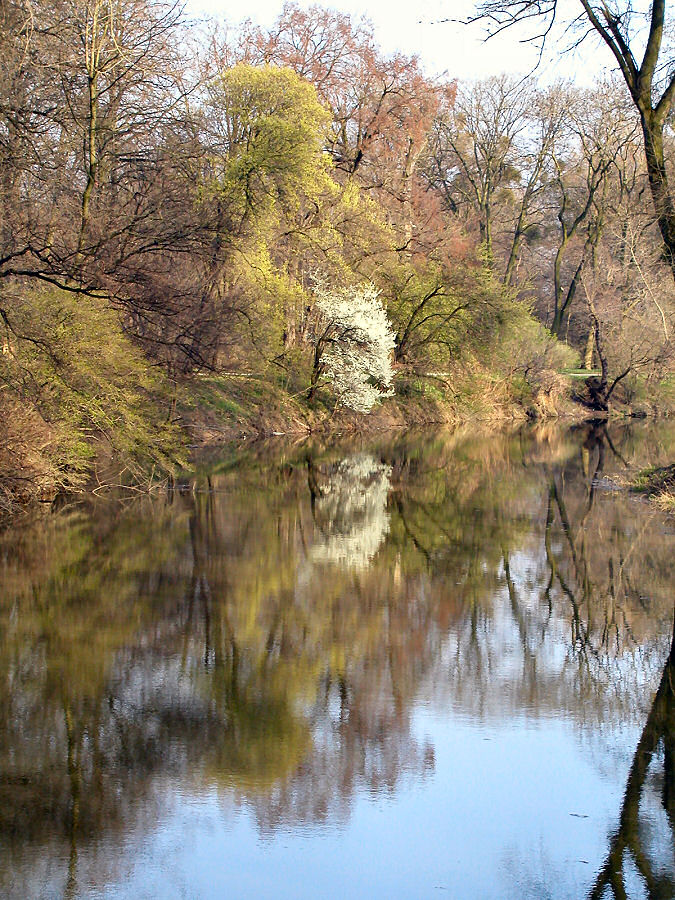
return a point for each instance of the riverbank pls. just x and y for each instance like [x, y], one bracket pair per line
[226, 408]
[234, 409]
[211, 410]
[657, 483]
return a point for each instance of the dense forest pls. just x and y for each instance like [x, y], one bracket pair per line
[197, 218]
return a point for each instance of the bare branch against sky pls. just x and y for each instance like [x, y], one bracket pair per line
[433, 30]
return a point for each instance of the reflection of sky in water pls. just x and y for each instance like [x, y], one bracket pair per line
[351, 512]
[520, 658]
[513, 811]
[388, 725]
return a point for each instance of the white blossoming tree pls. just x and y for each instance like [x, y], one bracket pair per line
[353, 348]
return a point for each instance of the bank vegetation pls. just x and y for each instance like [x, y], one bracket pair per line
[206, 231]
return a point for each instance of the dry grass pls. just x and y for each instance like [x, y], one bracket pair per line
[658, 484]
[666, 500]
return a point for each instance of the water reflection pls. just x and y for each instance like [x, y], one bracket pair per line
[269, 637]
[639, 839]
[349, 507]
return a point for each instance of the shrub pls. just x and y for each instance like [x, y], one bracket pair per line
[75, 379]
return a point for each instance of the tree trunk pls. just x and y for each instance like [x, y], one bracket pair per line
[557, 286]
[316, 368]
[561, 308]
[590, 346]
[652, 130]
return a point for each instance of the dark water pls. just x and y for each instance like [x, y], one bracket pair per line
[426, 666]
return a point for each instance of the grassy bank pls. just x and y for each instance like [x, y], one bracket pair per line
[223, 408]
[658, 484]
[228, 407]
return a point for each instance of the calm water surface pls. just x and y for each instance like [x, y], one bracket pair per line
[424, 666]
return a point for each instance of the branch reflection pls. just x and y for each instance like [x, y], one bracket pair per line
[269, 633]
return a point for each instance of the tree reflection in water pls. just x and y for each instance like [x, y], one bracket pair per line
[633, 840]
[349, 506]
[270, 634]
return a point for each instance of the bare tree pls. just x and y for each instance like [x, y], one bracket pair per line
[546, 115]
[584, 165]
[475, 155]
[635, 38]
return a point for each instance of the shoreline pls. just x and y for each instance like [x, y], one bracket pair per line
[216, 413]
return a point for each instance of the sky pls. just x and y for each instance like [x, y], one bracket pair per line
[417, 27]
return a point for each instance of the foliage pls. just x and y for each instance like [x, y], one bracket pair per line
[269, 129]
[27, 464]
[531, 352]
[180, 201]
[71, 367]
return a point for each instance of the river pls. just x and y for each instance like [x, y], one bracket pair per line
[416, 665]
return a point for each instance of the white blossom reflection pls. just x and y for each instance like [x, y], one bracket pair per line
[350, 511]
